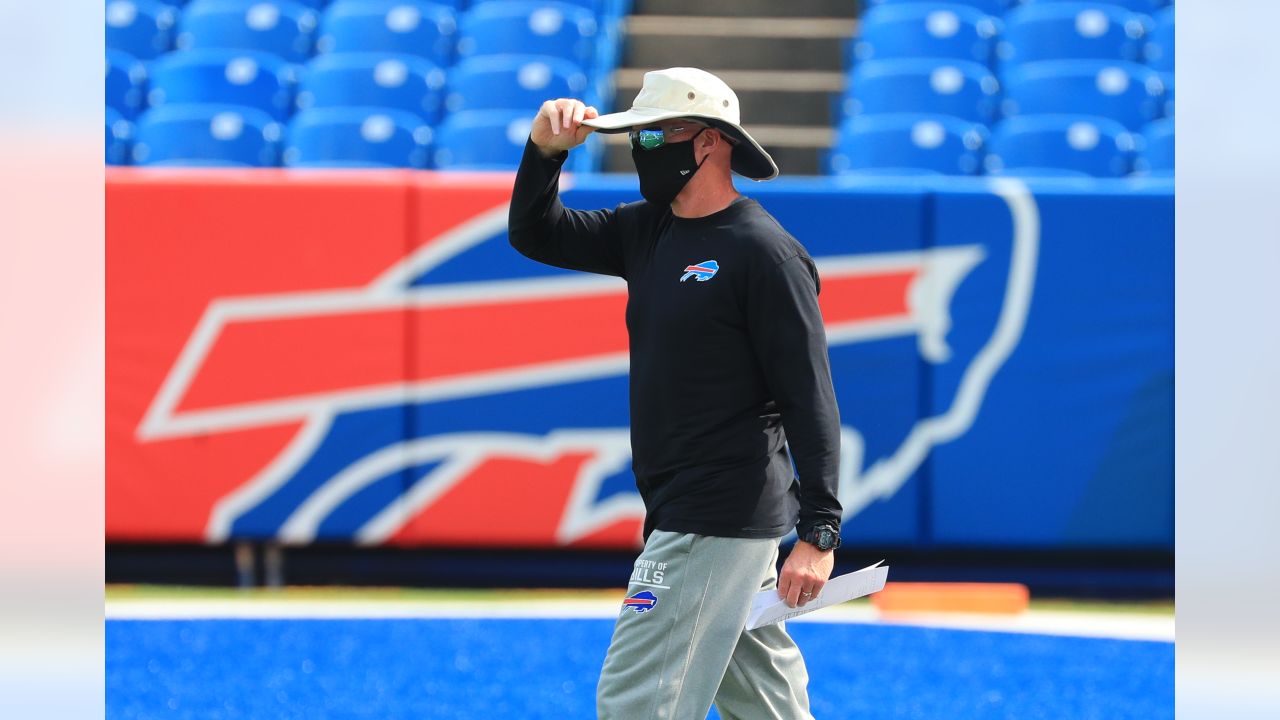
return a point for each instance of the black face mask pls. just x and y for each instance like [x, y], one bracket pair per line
[664, 171]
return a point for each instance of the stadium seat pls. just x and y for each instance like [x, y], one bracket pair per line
[995, 8]
[401, 82]
[1138, 6]
[1071, 30]
[555, 29]
[282, 27]
[482, 140]
[908, 143]
[511, 82]
[959, 88]
[1159, 49]
[224, 77]
[1126, 92]
[1060, 145]
[408, 27]
[213, 135]
[1167, 80]
[595, 6]
[119, 134]
[142, 28]
[1156, 157]
[357, 137]
[313, 4]
[925, 29]
[126, 83]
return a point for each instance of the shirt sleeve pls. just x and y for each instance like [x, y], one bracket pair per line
[790, 344]
[543, 229]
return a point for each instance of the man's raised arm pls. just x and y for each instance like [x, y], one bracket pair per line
[538, 225]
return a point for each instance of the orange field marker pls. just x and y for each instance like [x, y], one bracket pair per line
[993, 598]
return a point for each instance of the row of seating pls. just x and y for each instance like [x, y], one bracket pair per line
[234, 136]
[396, 81]
[1032, 32]
[293, 31]
[1032, 87]
[997, 7]
[1057, 145]
[1126, 92]
[379, 57]
[596, 5]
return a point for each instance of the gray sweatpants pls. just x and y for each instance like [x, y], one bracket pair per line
[679, 642]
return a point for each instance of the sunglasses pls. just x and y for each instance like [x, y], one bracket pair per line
[655, 137]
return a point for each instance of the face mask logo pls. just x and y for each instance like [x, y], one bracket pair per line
[665, 170]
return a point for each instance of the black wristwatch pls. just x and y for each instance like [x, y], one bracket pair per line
[824, 537]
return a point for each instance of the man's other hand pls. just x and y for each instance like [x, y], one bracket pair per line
[804, 573]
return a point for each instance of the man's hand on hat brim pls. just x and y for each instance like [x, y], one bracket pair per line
[558, 125]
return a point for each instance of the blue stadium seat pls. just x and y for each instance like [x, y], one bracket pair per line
[313, 4]
[1159, 49]
[212, 135]
[529, 27]
[142, 28]
[1126, 92]
[1138, 6]
[1167, 80]
[357, 137]
[482, 140]
[512, 82]
[1071, 30]
[595, 6]
[908, 144]
[963, 89]
[282, 27]
[401, 82]
[454, 5]
[1157, 152]
[994, 8]
[119, 135]
[126, 83]
[408, 27]
[925, 29]
[1060, 145]
[224, 77]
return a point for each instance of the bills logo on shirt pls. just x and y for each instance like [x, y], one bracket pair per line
[701, 272]
[642, 602]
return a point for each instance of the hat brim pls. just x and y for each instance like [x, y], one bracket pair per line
[748, 159]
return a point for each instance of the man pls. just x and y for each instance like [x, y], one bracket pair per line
[728, 350]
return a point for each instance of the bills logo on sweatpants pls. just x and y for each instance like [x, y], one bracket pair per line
[641, 602]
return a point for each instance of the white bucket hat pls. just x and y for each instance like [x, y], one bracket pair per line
[692, 93]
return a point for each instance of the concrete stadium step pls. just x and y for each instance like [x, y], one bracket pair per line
[754, 8]
[747, 43]
[796, 149]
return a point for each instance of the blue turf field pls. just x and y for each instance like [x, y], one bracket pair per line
[530, 669]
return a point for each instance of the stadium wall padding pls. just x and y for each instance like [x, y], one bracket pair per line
[360, 357]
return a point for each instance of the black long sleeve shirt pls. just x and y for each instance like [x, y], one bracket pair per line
[724, 371]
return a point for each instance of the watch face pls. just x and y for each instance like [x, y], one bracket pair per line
[825, 541]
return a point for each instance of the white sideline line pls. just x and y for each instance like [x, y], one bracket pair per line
[1120, 626]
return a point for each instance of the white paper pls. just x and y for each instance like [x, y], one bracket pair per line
[767, 607]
